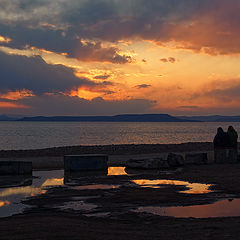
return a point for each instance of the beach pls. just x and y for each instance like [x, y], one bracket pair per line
[52, 158]
[46, 221]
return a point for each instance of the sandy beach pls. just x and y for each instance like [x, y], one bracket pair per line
[45, 221]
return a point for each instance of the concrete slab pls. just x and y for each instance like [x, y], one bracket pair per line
[87, 162]
[15, 168]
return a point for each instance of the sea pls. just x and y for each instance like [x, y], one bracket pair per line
[38, 135]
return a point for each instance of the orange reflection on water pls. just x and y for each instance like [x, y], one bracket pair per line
[27, 191]
[222, 208]
[193, 188]
[4, 203]
[53, 182]
[30, 190]
[116, 171]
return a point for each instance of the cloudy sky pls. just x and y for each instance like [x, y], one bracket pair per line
[106, 57]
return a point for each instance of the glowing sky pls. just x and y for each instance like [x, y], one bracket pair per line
[106, 57]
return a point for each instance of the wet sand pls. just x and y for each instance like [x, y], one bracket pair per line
[43, 221]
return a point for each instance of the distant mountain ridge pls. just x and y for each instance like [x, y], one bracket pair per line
[123, 118]
[117, 118]
[212, 118]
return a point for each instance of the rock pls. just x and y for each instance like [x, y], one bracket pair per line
[196, 158]
[175, 160]
[152, 163]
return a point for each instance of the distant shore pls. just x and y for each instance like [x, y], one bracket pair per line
[125, 149]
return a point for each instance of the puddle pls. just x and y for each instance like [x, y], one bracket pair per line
[75, 178]
[15, 189]
[223, 208]
[116, 171]
[193, 188]
[77, 206]
[96, 187]
[11, 197]
[100, 214]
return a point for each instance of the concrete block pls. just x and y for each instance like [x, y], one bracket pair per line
[15, 168]
[196, 158]
[226, 155]
[175, 160]
[7, 181]
[85, 162]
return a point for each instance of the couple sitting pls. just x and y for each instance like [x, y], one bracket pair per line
[226, 139]
[226, 146]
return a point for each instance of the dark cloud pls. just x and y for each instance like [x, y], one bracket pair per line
[166, 60]
[60, 25]
[102, 77]
[143, 86]
[33, 73]
[54, 40]
[59, 104]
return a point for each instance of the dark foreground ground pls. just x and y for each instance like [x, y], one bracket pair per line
[46, 222]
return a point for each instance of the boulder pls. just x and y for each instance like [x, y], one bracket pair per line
[149, 163]
[196, 158]
[175, 160]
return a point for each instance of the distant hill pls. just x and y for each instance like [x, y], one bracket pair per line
[7, 118]
[117, 118]
[213, 118]
[123, 118]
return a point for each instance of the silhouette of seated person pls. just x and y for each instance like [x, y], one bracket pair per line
[222, 139]
[233, 137]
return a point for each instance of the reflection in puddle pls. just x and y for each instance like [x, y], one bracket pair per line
[96, 187]
[12, 196]
[193, 188]
[78, 206]
[223, 208]
[4, 203]
[116, 171]
[100, 214]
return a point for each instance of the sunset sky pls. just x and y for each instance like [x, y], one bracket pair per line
[106, 57]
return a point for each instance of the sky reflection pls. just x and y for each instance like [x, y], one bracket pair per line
[223, 208]
[193, 188]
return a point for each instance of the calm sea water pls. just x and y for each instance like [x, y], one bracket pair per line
[34, 135]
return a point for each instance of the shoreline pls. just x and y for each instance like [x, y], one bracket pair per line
[53, 158]
[121, 149]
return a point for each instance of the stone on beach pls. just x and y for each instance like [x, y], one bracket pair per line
[86, 162]
[150, 163]
[196, 158]
[175, 160]
[15, 168]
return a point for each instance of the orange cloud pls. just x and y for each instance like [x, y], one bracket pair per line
[16, 95]
[12, 105]
[5, 39]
